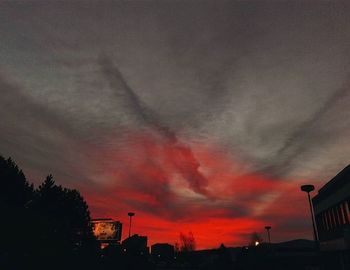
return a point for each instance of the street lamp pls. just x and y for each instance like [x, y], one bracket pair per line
[308, 189]
[130, 214]
[268, 228]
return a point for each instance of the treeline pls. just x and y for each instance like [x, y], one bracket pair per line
[43, 228]
[49, 228]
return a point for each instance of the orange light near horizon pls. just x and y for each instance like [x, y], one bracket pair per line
[148, 175]
[105, 230]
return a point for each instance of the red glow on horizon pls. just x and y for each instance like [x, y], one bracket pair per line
[220, 203]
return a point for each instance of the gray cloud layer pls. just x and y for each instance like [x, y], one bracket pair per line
[268, 82]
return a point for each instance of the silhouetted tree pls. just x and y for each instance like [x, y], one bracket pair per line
[187, 242]
[176, 248]
[47, 228]
[15, 196]
[66, 233]
[15, 190]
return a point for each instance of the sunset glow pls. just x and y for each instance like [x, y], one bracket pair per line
[198, 117]
[147, 175]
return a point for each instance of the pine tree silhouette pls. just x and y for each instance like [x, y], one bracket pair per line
[47, 228]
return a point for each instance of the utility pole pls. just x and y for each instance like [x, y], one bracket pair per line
[130, 214]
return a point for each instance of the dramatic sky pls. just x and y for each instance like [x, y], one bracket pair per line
[197, 116]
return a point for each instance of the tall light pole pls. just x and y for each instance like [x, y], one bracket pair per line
[130, 214]
[268, 228]
[308, 189]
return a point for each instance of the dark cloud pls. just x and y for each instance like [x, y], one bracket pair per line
[133, 102]
[182, 156]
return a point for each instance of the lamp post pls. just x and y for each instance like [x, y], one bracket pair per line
[268, 228]
[130, 214]
[308, 189]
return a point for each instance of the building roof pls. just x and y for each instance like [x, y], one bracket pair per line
[336, 183]
[162, 244]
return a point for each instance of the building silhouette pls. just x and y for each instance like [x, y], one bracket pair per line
[163, 251]
[136, 245]
[332, 214]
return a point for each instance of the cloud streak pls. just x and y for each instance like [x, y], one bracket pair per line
[181, 155]
[297, 142]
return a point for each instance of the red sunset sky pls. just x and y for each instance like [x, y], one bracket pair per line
[201, 116]
[223, 205]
